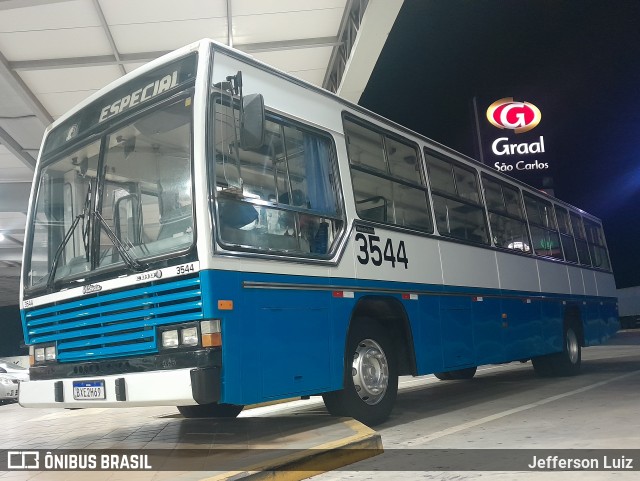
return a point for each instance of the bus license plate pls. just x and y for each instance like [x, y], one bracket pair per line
[88, 390]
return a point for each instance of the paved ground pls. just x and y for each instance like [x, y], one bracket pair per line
[507, 407]
[503, 407]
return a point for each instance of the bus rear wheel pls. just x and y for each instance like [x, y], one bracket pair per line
[565, 363]
[370, 377]
[213, 410]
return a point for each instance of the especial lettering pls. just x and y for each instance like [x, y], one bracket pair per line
[138, 96]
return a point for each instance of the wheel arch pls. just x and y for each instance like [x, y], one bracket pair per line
[390, 314]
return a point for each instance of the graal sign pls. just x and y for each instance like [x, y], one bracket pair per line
[517, 116]
[511, 139]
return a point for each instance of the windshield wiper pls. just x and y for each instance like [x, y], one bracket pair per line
[56, 257]
[67, 236]
[130, 260]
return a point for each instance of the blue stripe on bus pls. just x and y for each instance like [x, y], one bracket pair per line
[290, 341]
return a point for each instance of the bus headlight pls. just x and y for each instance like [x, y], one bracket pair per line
[189, 336]
[170, 338]
[50, 353]
[38, 354]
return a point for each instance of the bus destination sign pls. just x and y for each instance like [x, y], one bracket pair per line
[140, 95]
[139, 91]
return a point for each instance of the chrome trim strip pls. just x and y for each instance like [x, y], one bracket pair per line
[287, 286]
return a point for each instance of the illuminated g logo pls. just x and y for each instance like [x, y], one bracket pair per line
[517, 116]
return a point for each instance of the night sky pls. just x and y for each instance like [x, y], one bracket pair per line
[581, 56]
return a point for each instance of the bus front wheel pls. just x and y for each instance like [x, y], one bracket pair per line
[213, 410]
[370, 377]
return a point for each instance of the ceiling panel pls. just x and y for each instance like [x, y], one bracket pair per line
[14, 174]
[59, 103]
[55, 16]
[257, 7]
[295, 60]
[8, 160]
[295, 25]
[127, 12]
[314, 76]
[130, 67]
[70, 79]
[12, 105]
[47, 44]
[153, 37]
[26, 130]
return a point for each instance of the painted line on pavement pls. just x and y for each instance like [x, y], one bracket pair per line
[509, 412]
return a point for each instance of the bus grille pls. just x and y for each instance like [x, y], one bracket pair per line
[115, 324]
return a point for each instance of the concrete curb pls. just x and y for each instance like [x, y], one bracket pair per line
[363, 444]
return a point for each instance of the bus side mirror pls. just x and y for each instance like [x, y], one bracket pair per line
[252, 122]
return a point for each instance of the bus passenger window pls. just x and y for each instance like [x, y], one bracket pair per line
[581, 239]
[456, 200]
[597, 247]
[506, 218]
[542, 224]
[566, 235]
[285, 196]
[387, 179]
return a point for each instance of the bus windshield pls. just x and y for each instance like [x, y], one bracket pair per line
[126, 196]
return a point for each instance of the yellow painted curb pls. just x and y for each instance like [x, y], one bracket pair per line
[363, 444]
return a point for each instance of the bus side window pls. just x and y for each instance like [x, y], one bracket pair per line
[287, 201]
[506, 217]
[566, 235]
[388, 184]
[581, 239]
[542, 224]
[456, 200]
[597, 247]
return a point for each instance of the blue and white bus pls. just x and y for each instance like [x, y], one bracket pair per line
[209, 232]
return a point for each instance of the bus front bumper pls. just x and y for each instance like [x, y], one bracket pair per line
[178, 386]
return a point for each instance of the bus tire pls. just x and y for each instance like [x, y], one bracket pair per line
[570, 359]
[213, 410]
[542, 365]
[443, 376]
[565, 363]
[370, 376]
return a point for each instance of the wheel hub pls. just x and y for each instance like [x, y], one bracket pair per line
[370, 371]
